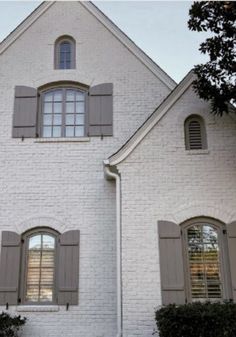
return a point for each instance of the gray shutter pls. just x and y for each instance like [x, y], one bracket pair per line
[171, 263]
[101, 110]
[9, 267]
[68, 273]
[231, 232]
[25, 112]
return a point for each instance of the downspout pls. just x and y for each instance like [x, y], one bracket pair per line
[116, 176]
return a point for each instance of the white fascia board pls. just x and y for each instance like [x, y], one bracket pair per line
[22, 27]
[123, 153]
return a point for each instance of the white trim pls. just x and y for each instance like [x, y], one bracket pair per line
[128, 43]
[152, 121]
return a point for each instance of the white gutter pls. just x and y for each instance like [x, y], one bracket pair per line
[116, 176]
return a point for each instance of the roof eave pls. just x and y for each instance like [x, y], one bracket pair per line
[154, 118]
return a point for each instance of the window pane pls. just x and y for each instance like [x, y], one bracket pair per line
[48, 242]
[32, 293]
[65, 47]
[79, 119]
[48, 97]
[57, 108]
[57, 120]
[47, 119]
[79, 107]
[34, 257]
[79, 96]
[48, 258]
[47, 275]
[69, 131]
[70, 107]
[70, 119]
[46, 294]
[79, 131]
[56, 131]
[70, 95]
[58, 96]
[35, 242]
[33, 276]
[47, 131]
[47, 108]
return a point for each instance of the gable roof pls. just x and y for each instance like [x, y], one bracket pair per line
[117, 32]
[152, 120]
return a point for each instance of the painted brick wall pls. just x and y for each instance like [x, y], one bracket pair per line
[62, 185]
[163, 181]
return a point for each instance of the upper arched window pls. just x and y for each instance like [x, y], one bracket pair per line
[65, 53]
[63, 112]
[195, 133]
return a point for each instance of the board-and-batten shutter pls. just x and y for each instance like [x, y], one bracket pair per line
[231, 233]
[25, 112]
[9, 267]
[68, 273]
[171, 263]
[100, 110]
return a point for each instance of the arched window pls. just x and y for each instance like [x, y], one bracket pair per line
[65, 53]
[63, 112]
[39, 266]
[205, 260]
[195, 133]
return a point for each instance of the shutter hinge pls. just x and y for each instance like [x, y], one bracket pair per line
[19, 300]
[22, 240]
[224, 231]
[101, 136]
[181, 232]
[7, 306]
[186, 301]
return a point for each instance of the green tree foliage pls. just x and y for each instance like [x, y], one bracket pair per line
[216, 79]
[9, 326]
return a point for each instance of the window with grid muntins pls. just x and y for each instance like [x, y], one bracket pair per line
[63, 113]
[204, 262]
[40, 268]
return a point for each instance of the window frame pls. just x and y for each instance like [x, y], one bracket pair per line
[57, 44]
[24, 262]
[201, 122]
[224, 257]
[62, 86]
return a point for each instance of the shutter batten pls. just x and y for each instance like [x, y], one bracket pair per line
[9, 267]
[68, 271]
[101, 110]
[171, 263]
[25, 112]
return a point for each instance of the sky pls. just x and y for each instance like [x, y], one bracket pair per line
[157, 27]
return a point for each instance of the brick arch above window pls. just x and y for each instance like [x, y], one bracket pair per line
[65, 52]
[195, 133]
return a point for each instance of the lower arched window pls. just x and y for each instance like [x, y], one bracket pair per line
[205, 260]
[39, 274]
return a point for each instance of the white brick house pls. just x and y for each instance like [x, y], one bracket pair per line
[99, 148]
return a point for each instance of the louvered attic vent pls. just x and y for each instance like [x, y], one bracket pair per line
[195, 136]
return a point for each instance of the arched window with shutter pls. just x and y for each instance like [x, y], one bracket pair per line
[195, 133]
[65, 53]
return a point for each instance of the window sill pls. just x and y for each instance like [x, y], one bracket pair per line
[195, 152]
[37, 308]
[62, 140]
